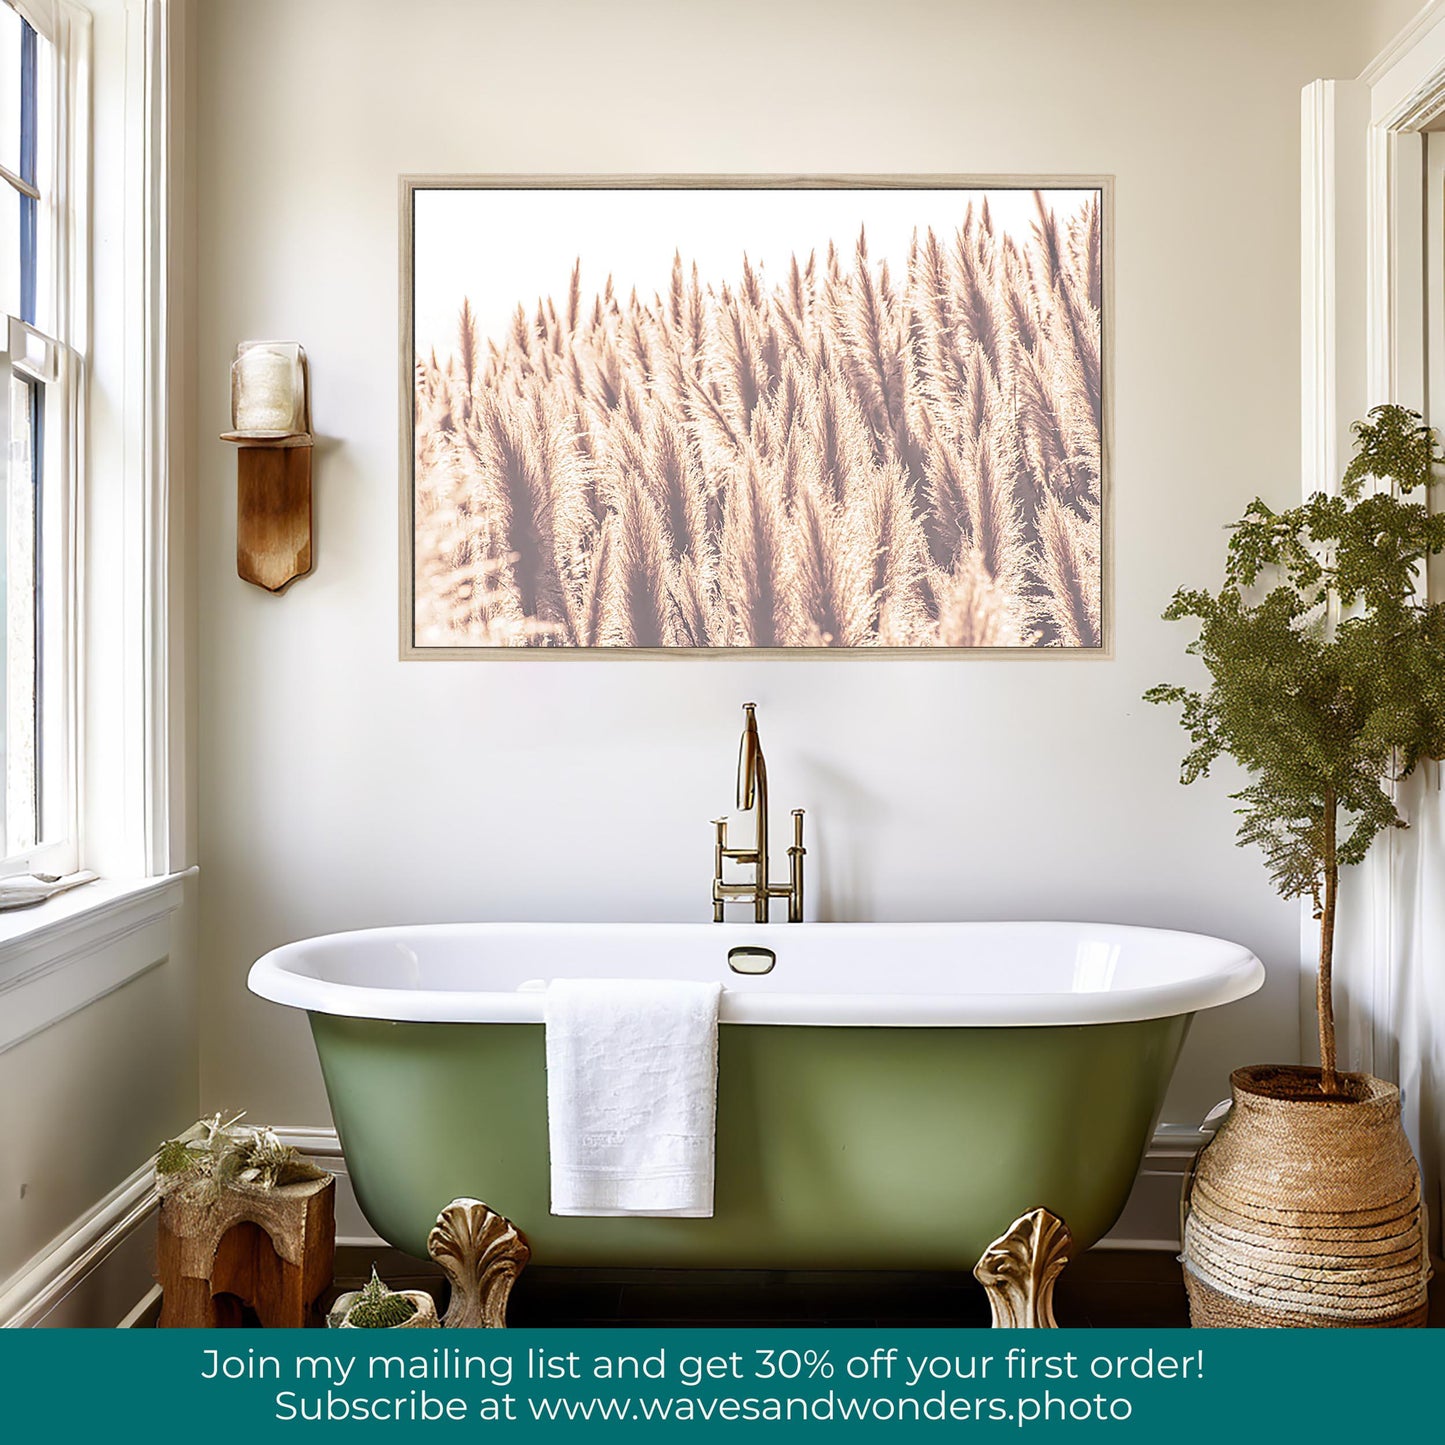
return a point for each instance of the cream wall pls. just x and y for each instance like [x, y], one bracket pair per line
[80, 1113]
[1387, 18]
[342, 788]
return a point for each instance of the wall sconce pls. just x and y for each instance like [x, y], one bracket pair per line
[271, 426]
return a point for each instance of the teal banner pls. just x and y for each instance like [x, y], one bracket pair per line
[1224, 1387]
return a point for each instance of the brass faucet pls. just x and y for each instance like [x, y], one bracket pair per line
[753, 797]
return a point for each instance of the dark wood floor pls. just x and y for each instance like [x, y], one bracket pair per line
[1103, 1289]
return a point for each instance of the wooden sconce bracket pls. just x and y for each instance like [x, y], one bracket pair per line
[273, 515]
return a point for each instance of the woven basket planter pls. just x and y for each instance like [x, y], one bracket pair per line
[1305, 1210]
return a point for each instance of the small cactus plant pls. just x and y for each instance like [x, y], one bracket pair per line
[378, 1308]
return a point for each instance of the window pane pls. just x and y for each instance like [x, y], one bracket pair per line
[9, 248]
[11, 28]
[18, 586]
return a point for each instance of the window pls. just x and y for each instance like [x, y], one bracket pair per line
[37, 815]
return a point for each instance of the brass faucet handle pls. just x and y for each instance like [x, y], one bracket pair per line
[738, 855]
[720, 825]
[796, 854]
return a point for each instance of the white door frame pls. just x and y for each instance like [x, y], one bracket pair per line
[1363, 335]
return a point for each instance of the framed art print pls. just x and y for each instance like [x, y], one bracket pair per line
[702, 414]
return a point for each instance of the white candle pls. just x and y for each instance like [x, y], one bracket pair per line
[269, 388]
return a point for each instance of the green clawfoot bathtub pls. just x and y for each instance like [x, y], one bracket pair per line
[890, 1096]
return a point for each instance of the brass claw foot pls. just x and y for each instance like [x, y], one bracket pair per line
[482, 1254]
[1019, 1268]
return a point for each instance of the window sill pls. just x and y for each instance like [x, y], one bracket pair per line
[114, 929]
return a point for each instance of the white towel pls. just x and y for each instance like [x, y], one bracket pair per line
[632, 1096]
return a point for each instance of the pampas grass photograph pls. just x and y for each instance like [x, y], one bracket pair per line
[755, 418]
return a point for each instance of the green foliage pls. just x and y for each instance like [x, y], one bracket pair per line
[174, 1157]
[378, 1308]
[1327, 670]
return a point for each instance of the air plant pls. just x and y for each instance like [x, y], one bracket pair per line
[217, 1152]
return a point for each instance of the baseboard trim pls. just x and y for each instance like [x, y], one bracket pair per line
[312, 1140]
[72, 1257]
[145, 1312]
[1138, 1246]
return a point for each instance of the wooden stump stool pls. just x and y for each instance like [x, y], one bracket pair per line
[271, 1249]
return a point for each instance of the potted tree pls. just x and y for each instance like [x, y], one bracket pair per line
[1327, 686]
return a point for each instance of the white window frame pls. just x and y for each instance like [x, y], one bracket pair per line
[132, 586]
[56, 361]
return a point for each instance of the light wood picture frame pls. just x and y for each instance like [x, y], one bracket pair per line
[701, 416]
